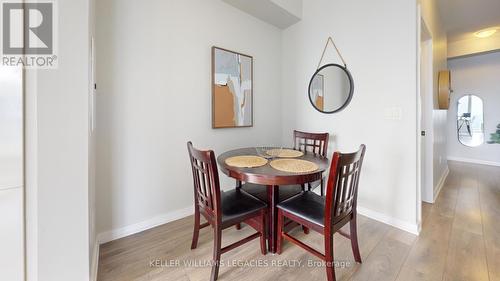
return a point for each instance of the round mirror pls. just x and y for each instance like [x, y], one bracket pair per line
[331, 88]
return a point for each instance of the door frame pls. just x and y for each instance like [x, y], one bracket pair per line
[424, 117]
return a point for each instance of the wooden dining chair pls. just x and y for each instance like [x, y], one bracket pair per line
[222, 209]
[327, 215]
[316, 143]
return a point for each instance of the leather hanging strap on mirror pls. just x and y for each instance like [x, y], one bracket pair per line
[336, 49]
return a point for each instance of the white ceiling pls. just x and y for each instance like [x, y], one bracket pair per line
[463, 17]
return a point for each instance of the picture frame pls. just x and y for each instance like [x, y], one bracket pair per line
[232, 89]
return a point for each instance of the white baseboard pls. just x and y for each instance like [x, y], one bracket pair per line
[474, 161]
[440, 184]
[403, 225]
[95, 262]
[108, 236]
[118, 233]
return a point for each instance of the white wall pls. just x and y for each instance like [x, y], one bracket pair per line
[11, 174]
[436, 127]
[93, 243]
[57, 155]
[154, 94]
[476, 75]
[378, 40]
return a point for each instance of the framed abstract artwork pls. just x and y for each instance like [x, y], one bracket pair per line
[232, 89]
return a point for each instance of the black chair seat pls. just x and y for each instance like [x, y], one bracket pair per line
[260, 191]
[237, 204]
[308, 206]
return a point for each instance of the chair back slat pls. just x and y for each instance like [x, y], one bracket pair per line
[205, 181]
[316, 143]
[342, 186]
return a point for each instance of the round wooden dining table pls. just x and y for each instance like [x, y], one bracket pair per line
[273, 180]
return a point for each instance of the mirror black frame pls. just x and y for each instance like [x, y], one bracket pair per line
[351, 88]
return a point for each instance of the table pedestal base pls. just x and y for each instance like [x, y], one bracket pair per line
[272, 199]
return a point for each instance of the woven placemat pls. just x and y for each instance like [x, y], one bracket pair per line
[294, 165]
[284, 153]
[246, 161]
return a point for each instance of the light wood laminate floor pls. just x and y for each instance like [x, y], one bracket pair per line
[460, 240]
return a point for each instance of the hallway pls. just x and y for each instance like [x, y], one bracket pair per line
[460, 240]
